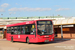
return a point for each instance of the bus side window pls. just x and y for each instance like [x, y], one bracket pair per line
[15, 30]
[8, 30]
[19, 30]
[27, 31]
[12, 30]
[30, 29]
[22, 29]
[33, 29]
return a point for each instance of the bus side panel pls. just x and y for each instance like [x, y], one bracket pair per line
[32, 38]
[15, 37]
[8, 36]
[22, 38]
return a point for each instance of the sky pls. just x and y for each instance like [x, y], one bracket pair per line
[30, 8]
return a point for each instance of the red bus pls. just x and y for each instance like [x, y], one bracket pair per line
[31, 31]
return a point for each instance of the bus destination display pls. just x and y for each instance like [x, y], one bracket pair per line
[44, 22]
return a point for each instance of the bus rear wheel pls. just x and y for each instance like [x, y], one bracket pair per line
[12, 39]
[27, 40]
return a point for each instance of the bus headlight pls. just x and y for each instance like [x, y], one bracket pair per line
[51, 39]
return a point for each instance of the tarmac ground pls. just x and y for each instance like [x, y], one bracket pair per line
[58, 44]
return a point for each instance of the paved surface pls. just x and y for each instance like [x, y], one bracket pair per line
[58, 44]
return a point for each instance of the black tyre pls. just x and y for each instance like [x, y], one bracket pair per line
[27, 40]
[12, 39]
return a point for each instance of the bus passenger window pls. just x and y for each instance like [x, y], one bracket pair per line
[33, 29]
[15, 30]
[19, 30]
[22, 29]
[30, 29]
[27, 31]
[12, 30]
[8, 30]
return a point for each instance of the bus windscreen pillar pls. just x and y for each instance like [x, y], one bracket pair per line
[61, 32]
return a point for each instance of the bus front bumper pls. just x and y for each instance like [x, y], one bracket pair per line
[38, 40]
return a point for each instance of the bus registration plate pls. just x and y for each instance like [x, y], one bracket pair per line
[46, 40]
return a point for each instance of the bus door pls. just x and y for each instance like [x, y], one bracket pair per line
[32, 30]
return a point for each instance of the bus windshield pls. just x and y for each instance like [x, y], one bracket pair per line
[44, 27]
